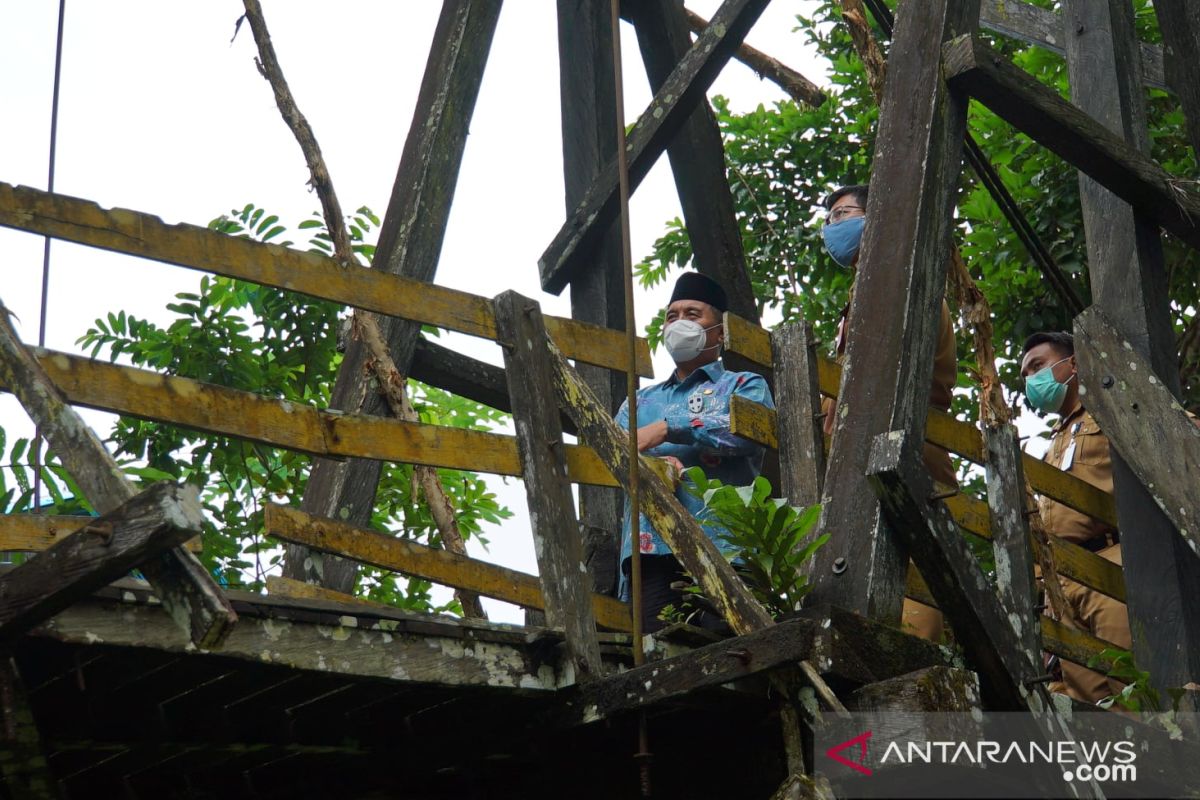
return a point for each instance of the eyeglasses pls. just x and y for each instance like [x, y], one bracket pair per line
[840, 213]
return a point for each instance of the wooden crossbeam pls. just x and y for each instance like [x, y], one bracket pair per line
[1073, 135]
[575, 242]
[439, 566]
[32, 533]
[143, 528]
[279, 586]
[1047, 29]
[1142, 420]
[313, 274]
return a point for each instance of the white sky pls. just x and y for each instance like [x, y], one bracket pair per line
[159, 112]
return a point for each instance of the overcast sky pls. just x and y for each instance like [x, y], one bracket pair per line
[161, 113]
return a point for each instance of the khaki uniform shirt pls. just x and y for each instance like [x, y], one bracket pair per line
[1077, 447]
[945, 376]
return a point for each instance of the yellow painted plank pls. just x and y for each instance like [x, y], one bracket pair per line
[33, 533]
[410, 558]
[316, 275]
[752, 421]
[299, 590]
[294, 426]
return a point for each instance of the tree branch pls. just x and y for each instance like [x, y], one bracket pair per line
[391, 383]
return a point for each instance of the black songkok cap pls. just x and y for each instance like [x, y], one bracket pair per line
[694, 286]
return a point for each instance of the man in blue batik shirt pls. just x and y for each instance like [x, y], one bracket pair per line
[685, 420]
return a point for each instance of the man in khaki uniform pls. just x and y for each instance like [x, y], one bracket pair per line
[842, 234]
[1078, 447]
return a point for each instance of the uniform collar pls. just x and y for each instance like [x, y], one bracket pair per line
[713, 370]
[1069, 418]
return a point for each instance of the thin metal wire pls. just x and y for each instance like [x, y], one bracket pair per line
[635, 560]
[35, 450]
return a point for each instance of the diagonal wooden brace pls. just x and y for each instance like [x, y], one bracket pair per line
[186, 589]
[162, 517]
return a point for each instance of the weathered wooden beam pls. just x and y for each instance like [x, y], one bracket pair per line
[183, 585]
[1129, 284]
[437, 654]
[932, 689]
[1074, 136]
[587, 100]
[772, 647]
[697, 157]
[1179, 22]
[24, 771]
[1142, 420]
[556, 541]
[801, 438]
[1015, 581]
[313, 274]
[439, 566]
[575, 242]
[958, 584]
[892, 325]
[677, 527]
[143, 528]
[1045, 28]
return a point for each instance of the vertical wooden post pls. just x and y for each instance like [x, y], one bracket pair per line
[588, 97]
[1010, 535]
[556, 536]
[1179, 21]
[697, 159]
[1129, 284]
[893, 319]
[798, 409]
[410, 244]
[24, 774]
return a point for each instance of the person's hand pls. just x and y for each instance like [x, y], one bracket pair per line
[676, 468]
[651, 435]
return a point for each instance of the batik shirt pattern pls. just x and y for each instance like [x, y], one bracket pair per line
[697, 414]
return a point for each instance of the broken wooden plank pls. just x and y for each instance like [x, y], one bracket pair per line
[575, 242]
[183, 585]
[899, 286]
[1045, 28]
[722, 662]
[801, 437]
[987, 637]
[677, 527]
[1073, 135]
[1129, 284]
[1142, 420]
[1006, 490]
[313, 274]
[439, 566]
[697, 157]
[556, 540]
[930, 690]
[140, 529]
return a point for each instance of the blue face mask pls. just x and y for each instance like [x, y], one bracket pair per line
[843, 238]
[1044, 392]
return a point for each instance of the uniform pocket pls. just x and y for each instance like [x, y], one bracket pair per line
[1091, 446]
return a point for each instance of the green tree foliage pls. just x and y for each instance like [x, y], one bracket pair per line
[283, 345]
[783, 160]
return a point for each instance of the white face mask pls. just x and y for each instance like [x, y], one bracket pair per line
[684, 340]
